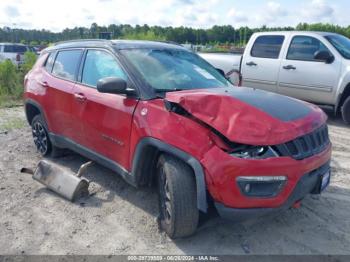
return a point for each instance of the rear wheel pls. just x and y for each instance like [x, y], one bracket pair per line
[177, 197]
[42, 140]
[345, 110]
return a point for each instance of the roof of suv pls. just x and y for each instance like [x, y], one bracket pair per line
[296, 32]
[118, 44]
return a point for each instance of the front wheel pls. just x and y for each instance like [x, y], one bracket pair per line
[177, 197]
[345, 111]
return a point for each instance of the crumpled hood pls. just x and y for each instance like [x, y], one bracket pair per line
[250, 116]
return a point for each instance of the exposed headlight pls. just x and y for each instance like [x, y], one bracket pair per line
[257, 152]
[261, 186]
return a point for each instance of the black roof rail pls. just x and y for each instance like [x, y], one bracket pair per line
[81, 40]
[168, 42]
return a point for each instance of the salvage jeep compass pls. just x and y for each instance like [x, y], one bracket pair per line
[158, 114]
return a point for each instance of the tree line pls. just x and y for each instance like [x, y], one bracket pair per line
[225, 34]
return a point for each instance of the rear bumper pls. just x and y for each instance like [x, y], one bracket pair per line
[308, 183]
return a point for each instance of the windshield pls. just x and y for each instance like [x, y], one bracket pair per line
[341, 43]
[173, 69]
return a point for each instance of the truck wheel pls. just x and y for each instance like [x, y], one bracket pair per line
[177, 197]
[42, 140]
[345, 111]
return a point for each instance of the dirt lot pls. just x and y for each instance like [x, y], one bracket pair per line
[119, 219]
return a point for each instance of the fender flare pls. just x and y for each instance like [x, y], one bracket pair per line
[202, 203]
[341, 98]
[36, 105]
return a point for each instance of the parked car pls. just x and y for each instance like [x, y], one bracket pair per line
[157, 113]
[228, 64]
[312, 66]
[13, 52]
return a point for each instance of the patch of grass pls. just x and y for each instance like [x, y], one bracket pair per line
[9, 101]
[11, 124]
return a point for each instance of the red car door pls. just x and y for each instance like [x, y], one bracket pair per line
[58, 81]
[106, 118]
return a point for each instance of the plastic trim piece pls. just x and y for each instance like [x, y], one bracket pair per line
[202, 203]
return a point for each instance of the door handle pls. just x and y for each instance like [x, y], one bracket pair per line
[289, 67]
[251, 63]
[44, 84]
[80, 97]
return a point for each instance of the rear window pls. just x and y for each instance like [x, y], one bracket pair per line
[66, 64]
[268, 46]
[49, 62]
[15, 49]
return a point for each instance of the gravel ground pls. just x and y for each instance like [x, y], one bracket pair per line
[118, 219]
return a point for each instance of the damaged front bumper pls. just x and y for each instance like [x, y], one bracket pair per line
[223, 174]
[308, 183]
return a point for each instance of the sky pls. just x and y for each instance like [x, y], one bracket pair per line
[55, 15]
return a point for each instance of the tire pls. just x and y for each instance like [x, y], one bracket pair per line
[42, 140]
[345, 110]
[177, 197]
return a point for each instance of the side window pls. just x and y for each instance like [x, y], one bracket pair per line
[66, 64]
[49, 62]
[15, 49]
[304, 48]
[99, 64]
[268, 46]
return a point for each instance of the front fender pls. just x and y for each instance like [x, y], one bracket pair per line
[141, 154]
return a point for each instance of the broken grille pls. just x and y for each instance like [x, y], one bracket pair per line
[305, 146]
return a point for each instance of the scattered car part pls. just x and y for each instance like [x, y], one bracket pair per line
[60, 180]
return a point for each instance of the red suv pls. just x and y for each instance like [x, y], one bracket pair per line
[156, 113]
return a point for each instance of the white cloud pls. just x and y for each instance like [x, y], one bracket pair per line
[273, 14]
[274, 8]
[237, 17]
[318, 11]
[196, 14]
[57, 15]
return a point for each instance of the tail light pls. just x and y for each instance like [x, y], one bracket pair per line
[18, 57]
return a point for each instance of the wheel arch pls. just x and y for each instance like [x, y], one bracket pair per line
[144, 162]
[342, 98]
[32, 108]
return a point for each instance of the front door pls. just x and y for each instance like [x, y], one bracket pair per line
[304, 77]
[106, 118]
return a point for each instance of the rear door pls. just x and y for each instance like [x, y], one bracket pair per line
[304, 77]
[106, 118]
[58, 81]
[261, 62]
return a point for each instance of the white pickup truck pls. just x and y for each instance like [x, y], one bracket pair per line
[312, 66]
[13, 52]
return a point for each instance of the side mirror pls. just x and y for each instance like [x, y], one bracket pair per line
[221, 72]
[324, 56]
[112, 85]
